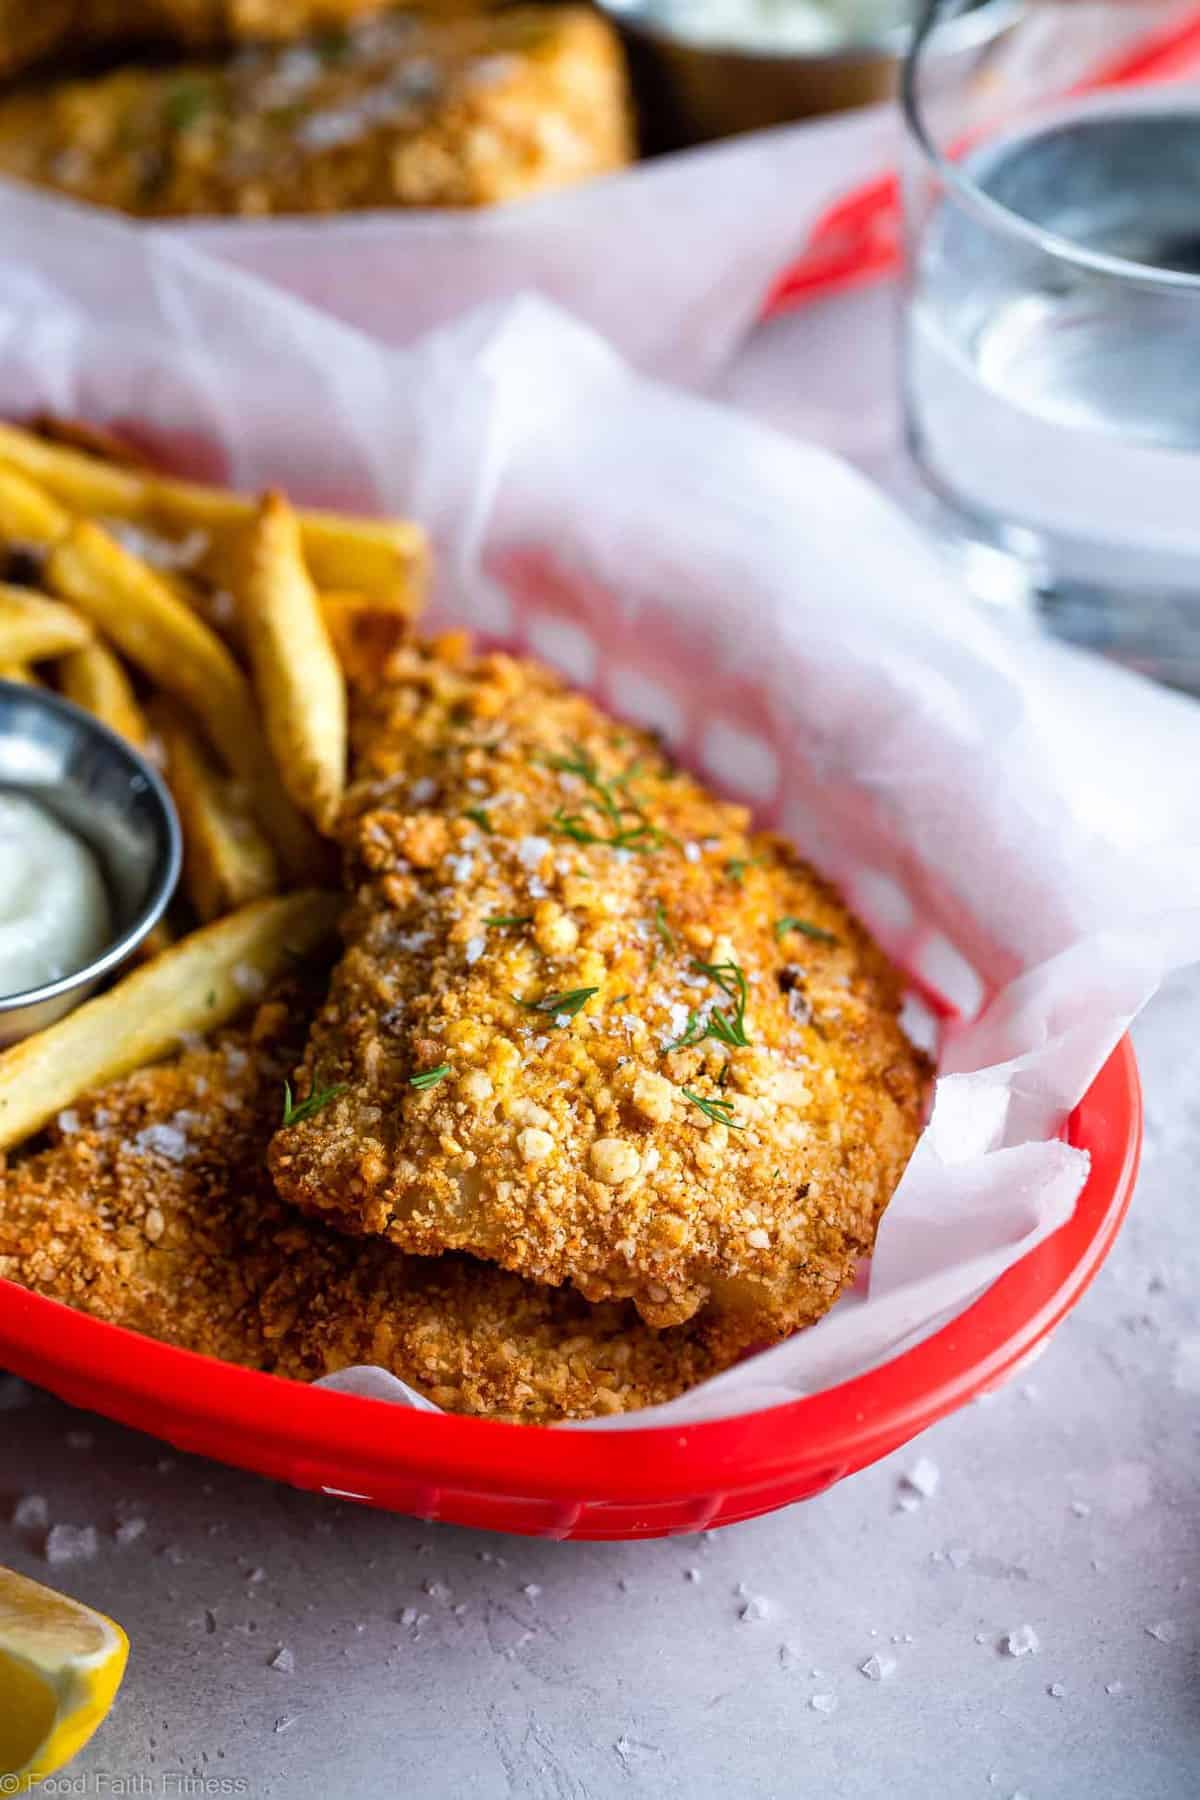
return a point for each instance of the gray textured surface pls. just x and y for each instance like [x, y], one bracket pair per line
[1068, 1502]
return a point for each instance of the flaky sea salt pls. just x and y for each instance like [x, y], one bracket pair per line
[31, 1513]
[531, 1590]
[475, 948]
[1056, 1690]
[824, 1703]
[283, 1660]
[1164, 1632]
[129, 1531]
[1024, 1641]
[248, 980]
[878, 1668]
[163, 1140]
[71, 1543]
[757, 1607]
[923, 1478]
[531, 850]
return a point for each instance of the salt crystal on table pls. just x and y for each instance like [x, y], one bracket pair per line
[824, 1703]
[71, 1543]
[283, 1660]
[31, 1513]
[437, 1590]
[1080, 1508]
[1164, 1632]
[1024, 1641]
[285, 1723]
[789, 1655]
[129, 1530]
[1056, 1690]
[958, 1557]
[878, 1668]
[256, 1575]
[409, 1616]
[531, 1590]
[1114, 1687]
[692, 1575]
[923, 1478]
[755, 1608]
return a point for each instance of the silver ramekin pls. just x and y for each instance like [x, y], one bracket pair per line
[101, 789]
[691, 91]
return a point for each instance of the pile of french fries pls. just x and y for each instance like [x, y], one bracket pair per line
[214, 631]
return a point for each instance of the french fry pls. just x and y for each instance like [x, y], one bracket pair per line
[153, 627]
[96, 440]
[385, 557]
[32, 628]
[95, 679]
[296, 672]
[365, 632]
[226, 859]
[197, 984]
[28, 514]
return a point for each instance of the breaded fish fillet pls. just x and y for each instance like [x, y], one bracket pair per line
[401, 110]
[587, 1028]
[151, 1208]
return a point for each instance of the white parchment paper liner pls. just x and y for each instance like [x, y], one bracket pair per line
[1000, 814]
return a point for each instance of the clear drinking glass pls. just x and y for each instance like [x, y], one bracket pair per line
[1051, 330]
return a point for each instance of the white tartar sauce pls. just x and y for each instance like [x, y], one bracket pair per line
[54, 911]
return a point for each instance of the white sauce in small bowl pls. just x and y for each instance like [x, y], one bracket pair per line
[54, 911]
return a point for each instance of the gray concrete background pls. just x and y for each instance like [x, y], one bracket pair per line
[1068, 1502]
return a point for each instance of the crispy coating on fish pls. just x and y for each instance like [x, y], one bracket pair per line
[403, 109]
[588, 1028]
[149, 1207]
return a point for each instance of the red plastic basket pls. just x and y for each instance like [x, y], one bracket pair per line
[571, 1484]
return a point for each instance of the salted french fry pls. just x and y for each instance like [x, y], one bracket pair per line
[153, 627]
[387, 557]
[96, 440]
[95, 679]
[32, 628]
[197, 984]
[365, 632]
[28, 514]
[296, 673]
[226, 859]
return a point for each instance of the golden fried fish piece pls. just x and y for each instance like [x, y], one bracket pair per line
[585, 1026]
[150, 1208]
[404, 109]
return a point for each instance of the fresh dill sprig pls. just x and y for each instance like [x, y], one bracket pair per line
[628, 827]
[726, 1027]
[719, 1111]
[805, 927]
[660, 925]
[736, 867]
[500, 919]
[478, 817]
[429, 1077]
[570, 1001]
[294, 1115]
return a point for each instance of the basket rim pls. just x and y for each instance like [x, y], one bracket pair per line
[820, 1435]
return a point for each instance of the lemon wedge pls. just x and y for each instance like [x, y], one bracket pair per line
[60, 1667]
